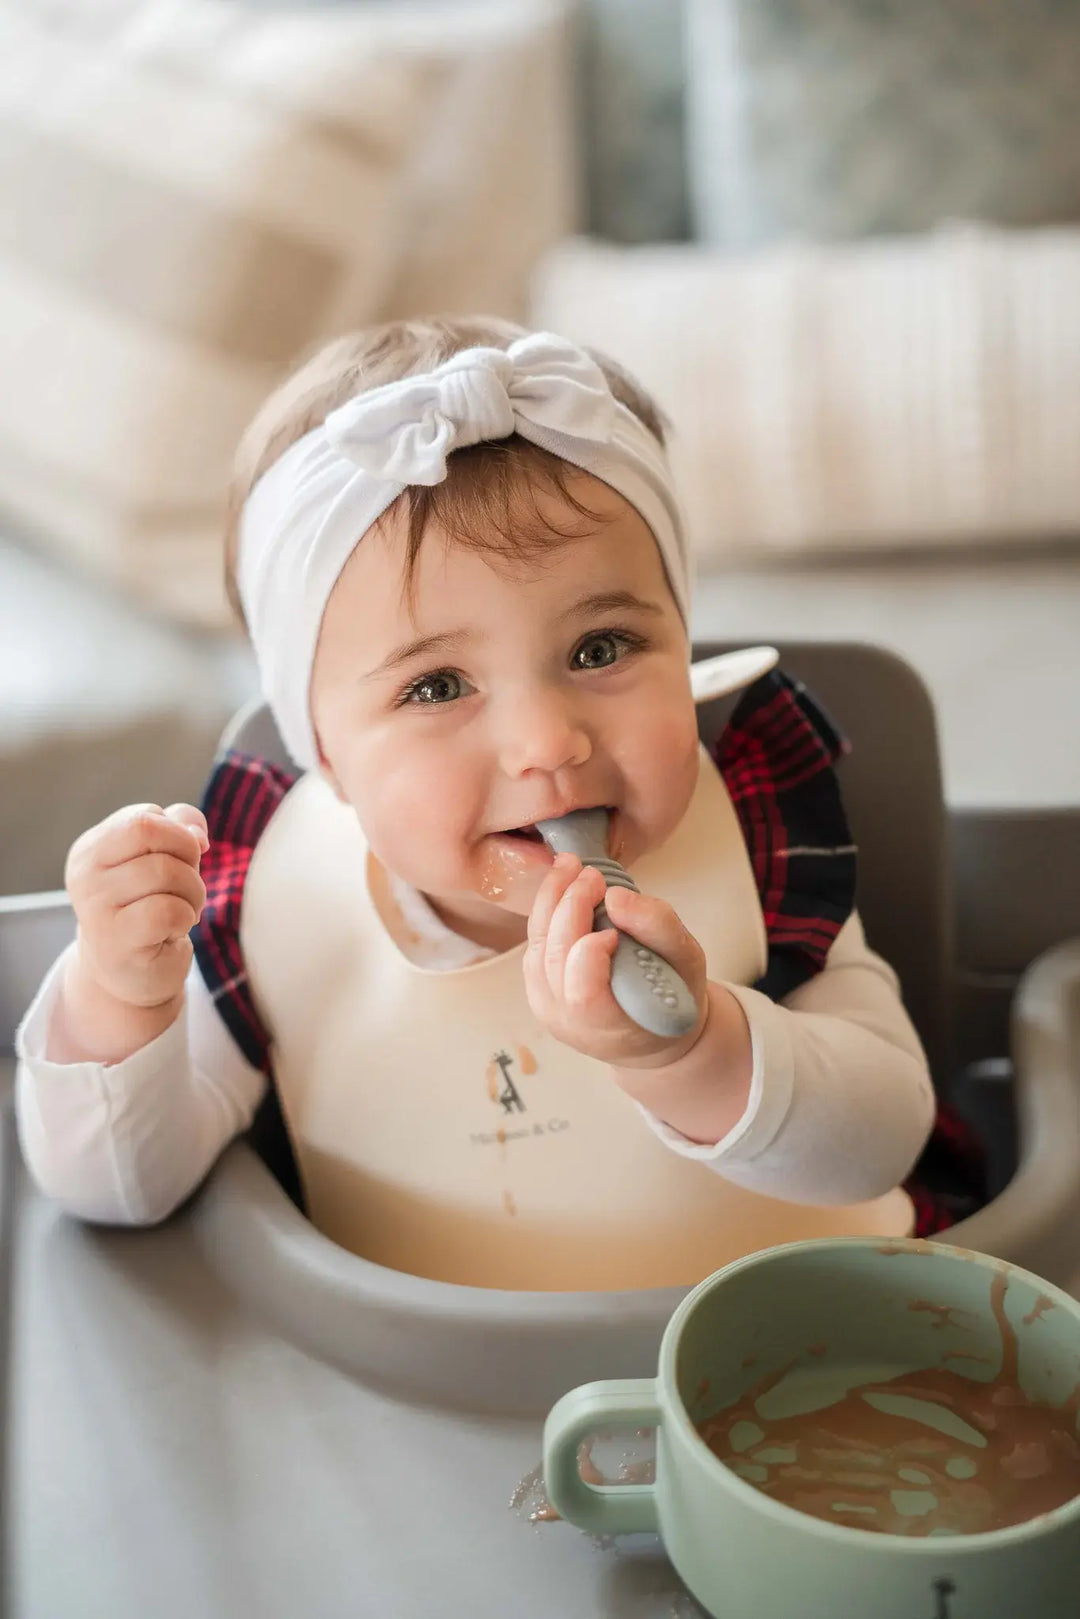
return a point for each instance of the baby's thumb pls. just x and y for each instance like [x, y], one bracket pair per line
[653, 923]
[187, 815]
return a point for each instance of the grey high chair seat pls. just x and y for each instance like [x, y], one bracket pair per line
[178, 1437]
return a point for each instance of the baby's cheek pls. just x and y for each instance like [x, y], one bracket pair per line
[666, 770]
[419, 838]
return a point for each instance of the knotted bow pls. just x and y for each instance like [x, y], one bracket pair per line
[403, 432]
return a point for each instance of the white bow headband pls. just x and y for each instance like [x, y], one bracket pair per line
[308, 512]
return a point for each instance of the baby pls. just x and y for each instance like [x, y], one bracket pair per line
[459, 556]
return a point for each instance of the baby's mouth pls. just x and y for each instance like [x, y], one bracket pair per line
[518, 855]
[528, 833]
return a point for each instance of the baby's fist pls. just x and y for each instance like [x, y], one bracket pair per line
[567, 966]
[136, 891]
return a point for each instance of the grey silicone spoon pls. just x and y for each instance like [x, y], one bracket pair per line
[647, 987]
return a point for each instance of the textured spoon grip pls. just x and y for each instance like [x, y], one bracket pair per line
[647, 987]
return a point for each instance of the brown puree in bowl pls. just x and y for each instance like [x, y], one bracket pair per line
[951, 1457]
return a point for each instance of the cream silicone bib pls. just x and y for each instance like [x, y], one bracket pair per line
[440, 1130]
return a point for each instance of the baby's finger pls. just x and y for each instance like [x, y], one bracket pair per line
[550, 892]
[548, 895]
[194, 819]
[143, 829]
[154, 874]
[148, 923]
[587, 980]
[573, 920]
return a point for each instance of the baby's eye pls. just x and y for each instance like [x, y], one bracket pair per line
[601, 650]
[430, 691]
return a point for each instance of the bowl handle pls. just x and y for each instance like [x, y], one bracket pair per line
[607, 1509]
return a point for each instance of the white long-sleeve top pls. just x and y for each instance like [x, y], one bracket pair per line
[840, 1103]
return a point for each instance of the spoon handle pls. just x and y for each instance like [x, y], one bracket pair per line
[647, 987]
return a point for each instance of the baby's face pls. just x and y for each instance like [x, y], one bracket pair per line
[505, 696]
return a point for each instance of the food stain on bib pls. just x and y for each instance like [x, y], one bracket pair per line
[526, 1060]
[930, 1452]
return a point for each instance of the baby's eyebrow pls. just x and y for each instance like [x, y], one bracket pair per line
[423, 646]
[602, 601]
[610, 601]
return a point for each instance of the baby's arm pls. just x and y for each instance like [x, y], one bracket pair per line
[840, 1100]
[125, 1143]
[128, 1085]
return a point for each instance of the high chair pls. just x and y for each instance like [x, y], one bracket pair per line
[179, 1437]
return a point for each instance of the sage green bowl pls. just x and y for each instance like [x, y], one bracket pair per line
[746, 1556]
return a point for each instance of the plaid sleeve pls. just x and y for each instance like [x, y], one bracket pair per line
[241, 796]
[777, 756]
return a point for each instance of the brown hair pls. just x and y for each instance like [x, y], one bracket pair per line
[478, 505]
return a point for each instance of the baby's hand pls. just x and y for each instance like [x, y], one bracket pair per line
[135, 887]
[568, 966]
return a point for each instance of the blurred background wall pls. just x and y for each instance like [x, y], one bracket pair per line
[838, 238]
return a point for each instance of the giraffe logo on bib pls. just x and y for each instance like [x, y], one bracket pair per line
[502, 1085]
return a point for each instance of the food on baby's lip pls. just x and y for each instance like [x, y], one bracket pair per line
[923, 1453]
[511, 869]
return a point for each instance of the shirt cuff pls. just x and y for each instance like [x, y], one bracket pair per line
[31, 1044]
[772, 1084]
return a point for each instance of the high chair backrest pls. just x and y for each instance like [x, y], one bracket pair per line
[894, 799]
[893, 794]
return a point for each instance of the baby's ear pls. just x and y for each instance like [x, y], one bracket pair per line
[328, 775]
[326, 771]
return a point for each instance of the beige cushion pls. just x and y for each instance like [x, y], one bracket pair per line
[193, 192]
[857, 397]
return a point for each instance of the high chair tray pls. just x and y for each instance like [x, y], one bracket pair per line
[168, 1455]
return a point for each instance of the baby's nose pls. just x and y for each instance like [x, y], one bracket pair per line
[542, 730]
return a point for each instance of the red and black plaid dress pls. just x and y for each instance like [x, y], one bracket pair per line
[777, 757]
